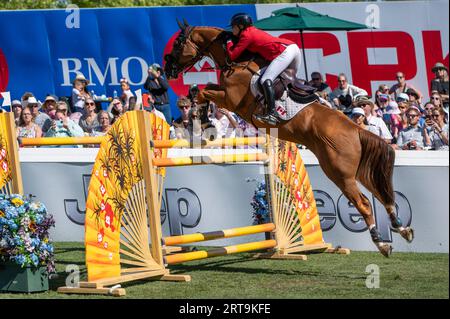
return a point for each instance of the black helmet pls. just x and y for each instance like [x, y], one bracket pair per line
[241, 19]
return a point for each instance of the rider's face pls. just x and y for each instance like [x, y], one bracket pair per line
[235, 30]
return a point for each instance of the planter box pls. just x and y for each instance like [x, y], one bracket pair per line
[14, 278]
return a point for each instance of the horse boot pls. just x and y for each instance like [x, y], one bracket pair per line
[271, 116]
[384, 248]
[406, 232]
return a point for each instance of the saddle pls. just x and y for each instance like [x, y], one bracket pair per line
[296, 89]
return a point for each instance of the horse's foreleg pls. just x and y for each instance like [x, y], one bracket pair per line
[216, 96]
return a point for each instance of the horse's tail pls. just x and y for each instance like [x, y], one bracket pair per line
[376, 166]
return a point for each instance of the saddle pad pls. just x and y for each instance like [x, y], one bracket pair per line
[285, 106]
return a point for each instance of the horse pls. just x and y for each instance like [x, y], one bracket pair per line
[346, 152]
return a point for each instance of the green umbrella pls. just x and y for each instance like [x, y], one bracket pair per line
[299, 18]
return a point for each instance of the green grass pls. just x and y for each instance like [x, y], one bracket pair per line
[404, 275]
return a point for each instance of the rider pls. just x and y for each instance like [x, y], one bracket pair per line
[281, 53]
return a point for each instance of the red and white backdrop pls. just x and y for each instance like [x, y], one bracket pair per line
[409, 36]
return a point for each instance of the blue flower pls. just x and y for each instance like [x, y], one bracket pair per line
[34, 259]
[20, 259]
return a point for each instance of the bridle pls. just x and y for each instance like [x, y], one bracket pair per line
[184, 39]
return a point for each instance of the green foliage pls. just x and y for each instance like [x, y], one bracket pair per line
[51, 4]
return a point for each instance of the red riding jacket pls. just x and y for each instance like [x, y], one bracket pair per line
[258, 41]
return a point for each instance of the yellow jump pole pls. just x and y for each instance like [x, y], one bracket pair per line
[214, 159]
[227, 233]
[56, 141]
[202, 254]
[88, 140]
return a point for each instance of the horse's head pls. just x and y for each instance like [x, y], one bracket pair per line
[184, 52]
[189, 47]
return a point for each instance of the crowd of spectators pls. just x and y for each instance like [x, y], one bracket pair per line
[398, 114]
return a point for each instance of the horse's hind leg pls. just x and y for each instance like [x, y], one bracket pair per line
[350, 189]
[396, 223]
[406, 232]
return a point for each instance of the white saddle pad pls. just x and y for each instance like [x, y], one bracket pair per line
[285, 106]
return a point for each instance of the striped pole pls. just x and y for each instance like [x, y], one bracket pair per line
[89, 140]
[55, 141]
[202, 254]
[227, 233]
[213, 159]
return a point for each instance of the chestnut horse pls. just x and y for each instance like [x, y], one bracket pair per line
[346, 152]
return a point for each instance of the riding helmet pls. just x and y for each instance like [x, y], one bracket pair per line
[241, 19]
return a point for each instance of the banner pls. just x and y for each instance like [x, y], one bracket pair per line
[215, 197]
[41, 51]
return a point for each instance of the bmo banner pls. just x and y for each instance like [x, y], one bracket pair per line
[42, 51]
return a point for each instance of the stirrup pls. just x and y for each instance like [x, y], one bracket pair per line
[268, 118]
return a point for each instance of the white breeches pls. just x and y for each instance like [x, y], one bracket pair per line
[290, 57]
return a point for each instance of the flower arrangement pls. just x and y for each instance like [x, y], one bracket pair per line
[260, 203]
[24, 232]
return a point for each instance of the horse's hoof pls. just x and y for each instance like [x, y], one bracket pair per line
[407, 233]
[385, 249]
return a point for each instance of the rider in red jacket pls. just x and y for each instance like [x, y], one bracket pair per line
[281, 53]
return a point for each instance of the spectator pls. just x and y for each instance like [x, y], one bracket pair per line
[440, 83]
[104, 120]
[358, 116]
[382, 95]
[49, 107]
[193, 93]
[16, 107]
[427, 116]
[245, 129]
[319, 84]
[158, 86]
[24, 98]
[151, 103]
[382, 101]
[436, 99]
[403, 107]
[38, 117]
[413, 136]
[414, 98]
[438, 137]
[89, 120]
[428, 109]
[126, 94]
[342, 96]
[194, 131]
[26, 127]
[224, 122]
[181, 124]
[394, 120]
[402, 87]
[402, 97]
[132, 105]
[368, 107]
[63, 126]
[79, 93]
[116, 109]
[152, 109]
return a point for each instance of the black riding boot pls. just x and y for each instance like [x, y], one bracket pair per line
[271, 116]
